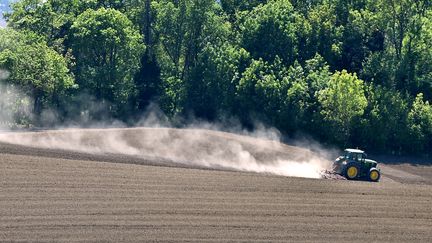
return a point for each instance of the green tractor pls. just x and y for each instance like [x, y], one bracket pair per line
[354, 165]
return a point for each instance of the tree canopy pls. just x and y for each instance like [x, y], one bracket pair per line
[39, 70]
[107, 50]
[348, 73]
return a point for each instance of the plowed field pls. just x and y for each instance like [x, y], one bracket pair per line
[54, 191]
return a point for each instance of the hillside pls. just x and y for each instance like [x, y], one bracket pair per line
[53, 192]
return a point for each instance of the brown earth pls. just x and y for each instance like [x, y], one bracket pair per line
[49, 192]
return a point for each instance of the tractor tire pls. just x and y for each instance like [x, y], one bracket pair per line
[374, 175]
[351, 171]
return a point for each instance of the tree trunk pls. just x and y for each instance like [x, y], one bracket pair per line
[147, 38]
[37, 106]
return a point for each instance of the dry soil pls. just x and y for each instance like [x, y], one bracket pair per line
[62, 195]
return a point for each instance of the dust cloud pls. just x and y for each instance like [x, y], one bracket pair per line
[198, 144]
[14, 104]
[192, 147]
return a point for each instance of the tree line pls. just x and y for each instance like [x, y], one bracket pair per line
[349, 73]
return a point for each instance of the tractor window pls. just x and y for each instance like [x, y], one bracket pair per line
[348, 155]
[345, 155]
[358, 157]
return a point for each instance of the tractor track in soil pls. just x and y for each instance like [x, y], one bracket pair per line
[61, 195]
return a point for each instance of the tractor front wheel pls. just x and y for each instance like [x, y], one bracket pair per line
[351, 171]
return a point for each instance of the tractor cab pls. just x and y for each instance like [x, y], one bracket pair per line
[355, 154]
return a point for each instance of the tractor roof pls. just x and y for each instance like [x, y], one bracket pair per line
[358, 151]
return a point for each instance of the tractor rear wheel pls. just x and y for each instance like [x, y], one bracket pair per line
[374, 175]
[351, 171]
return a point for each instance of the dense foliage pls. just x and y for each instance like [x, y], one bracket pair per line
[349, 73]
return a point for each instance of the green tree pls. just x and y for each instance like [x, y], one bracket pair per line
[422, 52]
[279, 61]
[304, 6]
[32, 15]
[362, 37]
[260, 90]
[322, 34]
[231, 7]
[148, 78]
[213, 82]
[274, 93]
[38, 70]
[383, 125]
[342, 101]
[107, 49]
[186, 29]
[50, 19]
[270, 30]
[317, 76]
[420, 124]
[402, 22]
